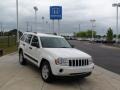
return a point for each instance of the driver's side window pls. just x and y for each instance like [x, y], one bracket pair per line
[35, 42]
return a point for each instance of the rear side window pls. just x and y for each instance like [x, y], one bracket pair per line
[35, 41]
[28, 38]
[23, 37]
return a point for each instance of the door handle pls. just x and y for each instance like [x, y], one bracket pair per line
[30, 47]
[23, 44]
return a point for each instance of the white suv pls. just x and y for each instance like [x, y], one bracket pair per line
[54, 56]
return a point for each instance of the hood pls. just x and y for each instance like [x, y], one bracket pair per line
[67, 53]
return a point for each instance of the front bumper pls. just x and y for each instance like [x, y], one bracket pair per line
[71, 71]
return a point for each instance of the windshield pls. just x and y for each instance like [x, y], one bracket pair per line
[54, 42]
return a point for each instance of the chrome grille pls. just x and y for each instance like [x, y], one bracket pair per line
[80, 62]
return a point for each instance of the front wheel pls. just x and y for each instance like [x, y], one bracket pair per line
[46, 72]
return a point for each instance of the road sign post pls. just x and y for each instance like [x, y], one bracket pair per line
[56, 14]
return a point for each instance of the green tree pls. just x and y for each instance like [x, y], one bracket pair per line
[81, 34]
[89, 33]
[109, 34]
[114, 35]
[86, 34]
[119, 36]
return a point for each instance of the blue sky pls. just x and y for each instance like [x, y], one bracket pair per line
[75, 12]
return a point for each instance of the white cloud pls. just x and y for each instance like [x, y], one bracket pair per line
[74, 12]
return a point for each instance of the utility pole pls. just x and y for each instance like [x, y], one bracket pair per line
[117, 31]
[17, 18]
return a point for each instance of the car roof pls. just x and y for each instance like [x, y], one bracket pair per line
[43, 34]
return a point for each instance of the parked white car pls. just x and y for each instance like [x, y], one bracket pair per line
[54, 56]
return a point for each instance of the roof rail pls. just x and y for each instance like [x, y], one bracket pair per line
[35, 32]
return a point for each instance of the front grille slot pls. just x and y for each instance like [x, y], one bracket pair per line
[78, 62]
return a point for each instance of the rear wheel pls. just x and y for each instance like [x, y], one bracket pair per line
[46, 72]
[22, 60]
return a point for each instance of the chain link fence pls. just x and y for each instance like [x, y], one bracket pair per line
[7, 44]
[7, 41]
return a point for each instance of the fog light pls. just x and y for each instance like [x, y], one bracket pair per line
[61, 70]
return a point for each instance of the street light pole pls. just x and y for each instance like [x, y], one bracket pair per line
[17, 17]
[117, 32]
[92, 22]
[36, 9]
[117, 26]
[79, 27]
[43, 18]
[47, 23]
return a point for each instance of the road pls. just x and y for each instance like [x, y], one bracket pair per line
[104, 56]
[13, 76]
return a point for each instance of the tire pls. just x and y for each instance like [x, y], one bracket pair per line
[46, 72]
[22, 60]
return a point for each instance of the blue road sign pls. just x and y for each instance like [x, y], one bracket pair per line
[55, 12]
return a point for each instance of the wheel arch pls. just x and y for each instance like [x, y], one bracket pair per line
[42, 61]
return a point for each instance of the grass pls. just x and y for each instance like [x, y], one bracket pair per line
[10, 49]
[8, 44]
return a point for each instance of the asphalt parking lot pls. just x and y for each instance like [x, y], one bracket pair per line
[13, 76]
[105, 56]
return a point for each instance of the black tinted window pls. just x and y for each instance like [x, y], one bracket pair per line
[35, 41]
[54, 42]
[28, 38]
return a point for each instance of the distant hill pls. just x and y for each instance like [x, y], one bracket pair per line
[11, 33]
[14, 31]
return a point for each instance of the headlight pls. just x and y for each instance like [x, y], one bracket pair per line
[90, 61]
[62, 61]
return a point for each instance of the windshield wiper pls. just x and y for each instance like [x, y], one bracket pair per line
[64, 47]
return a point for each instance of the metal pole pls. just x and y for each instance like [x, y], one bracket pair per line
[79, 27]
[49, 27]
[35, 20]
[117, 26]
[17, 21]
[31, 28]
[48, 23]
[27, 26]
[92, 31]
[1, 29]
[43, 22]
[58, 27]
[92, 22]
[53, 26]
